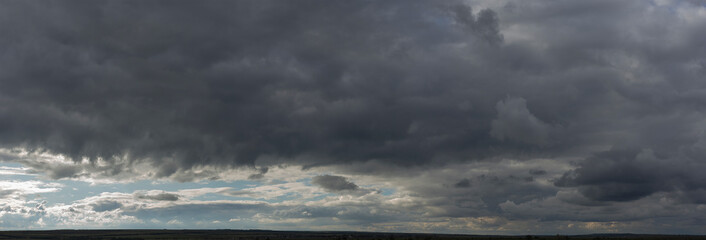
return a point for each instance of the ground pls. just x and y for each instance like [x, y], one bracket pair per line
[272, 235]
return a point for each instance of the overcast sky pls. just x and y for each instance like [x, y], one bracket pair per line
[481, 117]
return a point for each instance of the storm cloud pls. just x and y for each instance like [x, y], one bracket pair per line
[492, 113]
[234, 81]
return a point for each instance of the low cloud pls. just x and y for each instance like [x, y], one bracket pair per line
[158, 197]
[334, 183]
[631, 174]
[103, 206]
[259, 175]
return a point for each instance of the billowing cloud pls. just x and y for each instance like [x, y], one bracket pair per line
[259, 88]
[363, 115]
[627, 174]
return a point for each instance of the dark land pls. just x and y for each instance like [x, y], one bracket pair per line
[272, 235]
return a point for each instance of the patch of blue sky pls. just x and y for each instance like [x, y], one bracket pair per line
[73, 190]
[287, 196]
[387, 191]
[218, 196]
[15, 171]
[174, 186]
[17, 177]
[306, 181]
[11, 164]
[69, 192]
[322, 196]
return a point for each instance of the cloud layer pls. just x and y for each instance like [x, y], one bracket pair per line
[483, 114]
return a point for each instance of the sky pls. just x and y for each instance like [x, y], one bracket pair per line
[478, 117]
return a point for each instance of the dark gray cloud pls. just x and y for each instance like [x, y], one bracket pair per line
[102, 206]
[159, 196]
[485, 24]
[233, 81]
[259, 175]
[464, 183]
[613, 89]
[537, 172]
[334, 183]
[63, 171]
[628, 174]
[417, 83]
[516, 123]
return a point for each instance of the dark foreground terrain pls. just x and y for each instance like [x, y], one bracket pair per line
[272, 235]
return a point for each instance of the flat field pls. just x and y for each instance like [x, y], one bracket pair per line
[272, 235]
